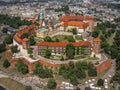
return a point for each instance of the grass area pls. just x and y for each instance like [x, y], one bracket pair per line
[55, 57]
[79, 57]
[12, 84]
[79, 38]
[110, 40]
[59, 79]
[2, 59]
[63, 38]
[11, 70]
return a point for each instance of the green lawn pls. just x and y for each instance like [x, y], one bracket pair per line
[55, 57]
[11, 70]
[63, 38]
[79, 38]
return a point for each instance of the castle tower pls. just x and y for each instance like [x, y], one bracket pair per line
[25, 43]
[96, 45]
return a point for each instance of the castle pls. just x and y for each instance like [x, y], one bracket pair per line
[57, 47]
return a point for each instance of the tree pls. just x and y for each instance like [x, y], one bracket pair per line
[47, 53]
[14, 49]
[5, 30]
[24, 35]
[78, 51]
[71, 64]
[73, 80]
[51, 84]
[32, 40]
[100, 82]
[8, 39]
[116, 77]
[43, 72]
[6, 64]
[57, 40]
[70, 51]
[92, 72]
[62, 69]
[74, 31]
[88, 88]
[95, 33]
[80, 73]
[2, 47]
[29, 50]
[21, 67]
[48, 39]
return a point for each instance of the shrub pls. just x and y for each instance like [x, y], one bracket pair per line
[6, 64]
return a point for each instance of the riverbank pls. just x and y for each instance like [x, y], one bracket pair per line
[11, 84]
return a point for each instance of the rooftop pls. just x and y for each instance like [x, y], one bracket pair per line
[63, 44]
[75, 18]
[79, 24]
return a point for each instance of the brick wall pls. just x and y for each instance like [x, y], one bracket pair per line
[103, 66]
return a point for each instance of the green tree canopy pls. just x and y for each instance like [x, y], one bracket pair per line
[47, 53]
[8, 39]
[21, 67]
[70, 51]
[24, 35]
[51, 84]
[48, 39]
[6, 64]
[74, 31]
[14, 49]
[43, 72]
[32, 40]
[5, 30]
[2, 47]
[100, 82]
[73, 80]
[29, 50]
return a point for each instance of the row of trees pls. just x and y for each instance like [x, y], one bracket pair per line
[116, 53]
[75, 71]
[43, 72]
[14, 22]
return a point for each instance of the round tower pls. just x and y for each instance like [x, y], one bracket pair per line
[25, 43]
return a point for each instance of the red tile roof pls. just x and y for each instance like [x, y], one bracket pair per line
[75, 18]
[19, 33]
[63, 44]
[97, 40]
[81, 25]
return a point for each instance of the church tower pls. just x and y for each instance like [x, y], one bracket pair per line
[41, 19]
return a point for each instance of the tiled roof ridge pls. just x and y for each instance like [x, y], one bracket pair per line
[63, 44]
